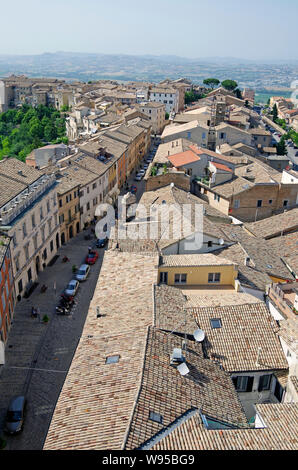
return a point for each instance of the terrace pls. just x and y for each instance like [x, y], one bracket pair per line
[285, 297]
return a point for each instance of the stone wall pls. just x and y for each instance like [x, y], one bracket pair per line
[179, 179]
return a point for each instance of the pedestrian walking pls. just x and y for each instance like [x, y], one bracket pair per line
[33, 312]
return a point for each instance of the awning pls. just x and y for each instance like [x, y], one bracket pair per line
[2, 353]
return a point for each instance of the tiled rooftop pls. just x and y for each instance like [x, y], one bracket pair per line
[244, 328]
[97, 399]
[280, 433]
[174, 197]
[274, 225]
[218, 298]
[165, 392]
[184, 158]
[262, 258]
[15, 176]
[248, 276]
[204, 259]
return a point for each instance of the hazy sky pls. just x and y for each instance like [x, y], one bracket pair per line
[255, 29]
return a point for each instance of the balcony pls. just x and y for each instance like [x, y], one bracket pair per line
[204, 180]
[283, 296]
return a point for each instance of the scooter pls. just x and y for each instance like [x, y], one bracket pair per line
[65, 259]
[62, 311]
[66, 304]
[43, 288]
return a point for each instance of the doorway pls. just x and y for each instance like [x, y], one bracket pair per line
[37, 264]
[57, 241]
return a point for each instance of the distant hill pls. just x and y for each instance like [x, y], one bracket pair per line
[92, 66]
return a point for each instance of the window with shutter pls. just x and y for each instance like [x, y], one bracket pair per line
[250, 382]
[243, 383]
[264, 382]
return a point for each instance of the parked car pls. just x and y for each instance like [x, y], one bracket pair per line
[15, 415]
[138, 177]
[148, 161]
[296, 154]
[83, 272]
[72, 287]
[91, 257]
[145, 166]
[101, 243]
[142, 172]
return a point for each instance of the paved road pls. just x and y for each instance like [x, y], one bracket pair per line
[38, 355]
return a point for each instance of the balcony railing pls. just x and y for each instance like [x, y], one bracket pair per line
[15, 207]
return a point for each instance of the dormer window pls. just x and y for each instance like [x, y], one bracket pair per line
[215, 323]
[112, 359]
[156, 417]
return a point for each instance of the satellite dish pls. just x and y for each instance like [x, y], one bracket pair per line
[221, 241]
[199, 335]
[183, 369]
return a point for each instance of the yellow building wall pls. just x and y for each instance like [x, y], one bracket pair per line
[64, 210]
[112, 175]
[197, 276]
[277, 280]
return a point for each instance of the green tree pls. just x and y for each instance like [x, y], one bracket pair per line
[5, 147]
[229, 85]
[64, 108]
[238, 93]
[36, 130]
[275, 113]
[282, 147]
[50, 132]
[3, 128]
[29, 115]
[191, 96]
[23, 129]
[211, 82]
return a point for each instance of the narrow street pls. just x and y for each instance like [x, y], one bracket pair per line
[38, 355]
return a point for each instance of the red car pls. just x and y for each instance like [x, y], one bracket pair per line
[91, 257]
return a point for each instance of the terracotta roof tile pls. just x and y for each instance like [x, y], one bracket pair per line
[244, 328]
[280, 433]
[183, 158]
[164, 391]
[96, 396]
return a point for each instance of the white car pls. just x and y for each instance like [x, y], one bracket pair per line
[83, 272]
[72, 287]
[142, 172]
[138, 177]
